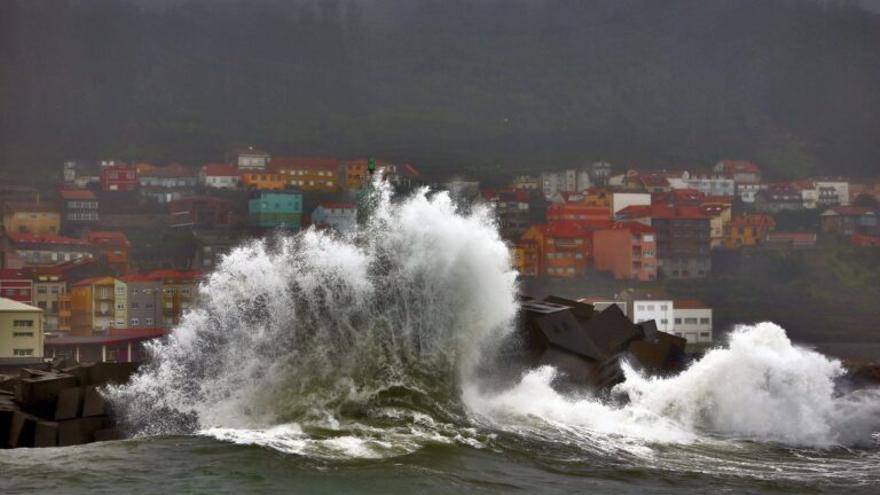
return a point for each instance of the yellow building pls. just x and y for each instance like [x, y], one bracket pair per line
[96, 304]
[748, 230]
[33, 218]
[21, 333]
[263, 181]
[308, 174]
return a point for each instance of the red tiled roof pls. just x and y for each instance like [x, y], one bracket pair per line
[29, 238]
[731, 166]
[174, 274]
[277, 163]
[634, 227]
[11, 273]
[634, 211]
[173, 170]
[137, 278]
[77, 194]
[850, 211]
[90, 281]
[689, 304]
[564, 228]
[14, 206]
[654, 180]
[220, 169]
[107, 237]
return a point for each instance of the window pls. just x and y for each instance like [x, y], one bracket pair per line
[133, 322]
[705, 321]
[22, 352]
[650, 307]
[148, 322]
[678, 321]
[23, 323]
[664, 321]
[22, 334]
[41, 289]
[690, 321]
[663, 307]
[641, 307]
[705, 334]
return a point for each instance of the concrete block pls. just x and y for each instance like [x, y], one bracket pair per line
[69, 403]
[7, 410]
[80, 430]
[43, 390]
[46, 434]
[93, 403]
[24, 426]
[81, 372]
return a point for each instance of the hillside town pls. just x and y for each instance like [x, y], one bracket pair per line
[111, 255]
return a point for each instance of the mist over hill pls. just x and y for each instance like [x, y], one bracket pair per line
[465, 86]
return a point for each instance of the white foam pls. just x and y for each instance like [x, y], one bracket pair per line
[759, 387]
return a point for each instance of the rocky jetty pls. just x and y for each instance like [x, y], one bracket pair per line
[59, 405]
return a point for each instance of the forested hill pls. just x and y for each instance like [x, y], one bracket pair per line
[470, 86]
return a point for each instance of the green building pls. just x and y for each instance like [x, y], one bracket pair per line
[276, 209]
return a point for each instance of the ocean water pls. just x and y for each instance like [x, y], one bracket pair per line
[363, 364]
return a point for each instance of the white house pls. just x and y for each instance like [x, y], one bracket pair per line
[341, 217]
[21, 333]
[219, 176]
[621, 200]
[833, 192]
[693, 321]
[712, 185]
[659, 310]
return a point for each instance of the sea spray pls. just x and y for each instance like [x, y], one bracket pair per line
[370, 345]
[760, 386]
[317, 328]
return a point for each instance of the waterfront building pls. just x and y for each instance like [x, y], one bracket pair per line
[49, 290]
[144, 299]
[96, 305]
[692, 320]
[21, 333]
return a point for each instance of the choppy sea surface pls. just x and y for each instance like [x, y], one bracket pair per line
[507, 464]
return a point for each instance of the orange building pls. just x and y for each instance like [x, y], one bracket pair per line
[356, 173]
[628, 251]
[748, 230]
[563, 248]
[263, 181]
[525, 258]
[113, 246]
[178, 293]
[308, 174]
[93, 305]
[577, 212]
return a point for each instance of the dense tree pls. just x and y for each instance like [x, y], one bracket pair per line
[467, 84]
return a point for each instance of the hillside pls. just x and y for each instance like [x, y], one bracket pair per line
[454, 85]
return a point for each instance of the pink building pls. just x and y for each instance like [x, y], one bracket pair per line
[627, 250]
